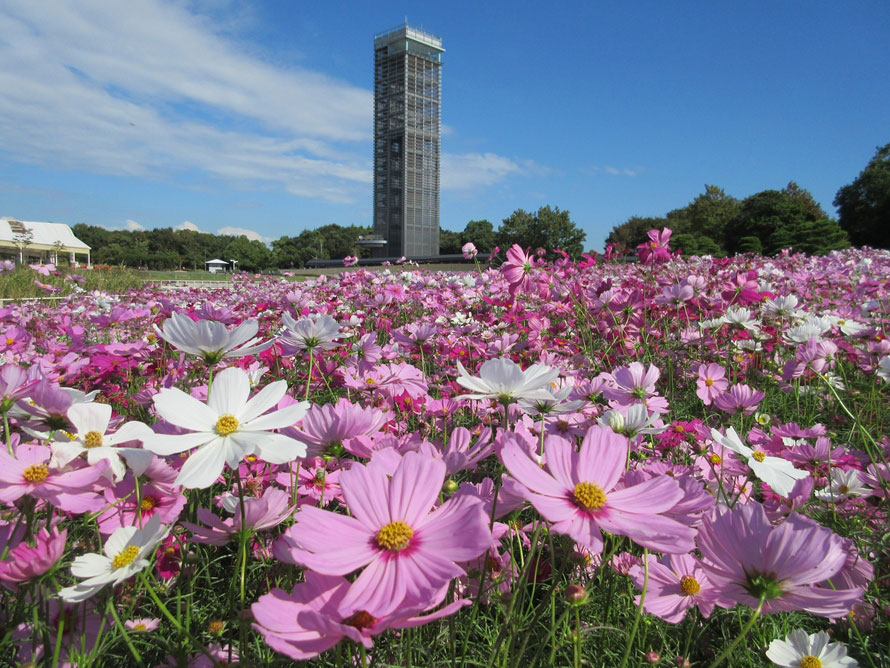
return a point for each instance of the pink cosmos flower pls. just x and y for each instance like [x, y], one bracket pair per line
[747, 558]
[25, 562]
[316, 615]
[517, 269]
[325, 428]
[739, 398]
[578, 494]
[632, 383]
[656, 250]
[30, 472]
[264, 513]
[126, 510]
[711, 382]
[676, 584]
[410, 552]
[469, 250]
[143, 624]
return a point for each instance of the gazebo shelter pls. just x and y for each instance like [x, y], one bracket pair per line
[216, 266]
[44, 242]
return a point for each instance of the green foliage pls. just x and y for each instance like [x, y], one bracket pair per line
[750, 245]
[864, 204]
[767, 222]
[481, 234]
[449, 242]
[549, 229]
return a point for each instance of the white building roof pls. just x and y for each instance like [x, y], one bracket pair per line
[45, 235]
[216, 262]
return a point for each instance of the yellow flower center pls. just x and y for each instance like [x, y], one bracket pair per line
[140, 627]
[92, 439]
[589, 496]
[759, 456]
[9, 342]
[148, 503]
[215, 626]
[226, 425]
[395, 536]
[709, 382]
[715, 459]
[689, 585]
[843, 489]
[125, 557]
[36, 473]
[810, 661]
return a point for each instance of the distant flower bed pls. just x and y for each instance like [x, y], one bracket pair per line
[670, 462]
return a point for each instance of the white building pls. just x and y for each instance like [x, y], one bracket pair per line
[26, 240]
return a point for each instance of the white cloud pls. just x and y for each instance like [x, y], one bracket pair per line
[132, 225]
[148, 89]
[188, 225]
[471, 170]
[239, 231]
[612, 171]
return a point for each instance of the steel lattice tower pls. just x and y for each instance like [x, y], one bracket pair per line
[407, 120]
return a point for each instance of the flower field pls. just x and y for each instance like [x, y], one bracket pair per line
[676, 462]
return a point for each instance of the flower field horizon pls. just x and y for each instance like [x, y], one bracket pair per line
[676, 462]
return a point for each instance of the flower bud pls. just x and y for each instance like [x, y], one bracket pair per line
[653, 657]
[575, 593]
[450, 486]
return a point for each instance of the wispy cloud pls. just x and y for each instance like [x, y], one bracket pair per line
[612, 171]
[188, 225]
[132, 225]
[469, 171]
[148, 89]
[243, 231]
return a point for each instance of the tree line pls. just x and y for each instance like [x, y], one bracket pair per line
[767, 222]
[166, 248]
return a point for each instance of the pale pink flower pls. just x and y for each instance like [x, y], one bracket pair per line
[577, 493]
[25, 562]
[746, 559]
[517, 269]
[409, 552]
[739, 398]
[711, 382]
[268, 511]
[677, 583]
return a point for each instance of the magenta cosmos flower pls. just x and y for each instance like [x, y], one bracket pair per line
[518, 268]
[313, 618]
[410, 552]
[747, 558]
[577, 493]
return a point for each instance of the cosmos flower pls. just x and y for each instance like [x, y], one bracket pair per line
[802, 650]
[578, 494]
[90, 422]
[125, 553]
[407, 552]
[677, 583]
[25, 562]
[746, 558]
[227, 428]
[776, 472]
[711, 382]
[211, 340]
[504, 380]
[313, 332]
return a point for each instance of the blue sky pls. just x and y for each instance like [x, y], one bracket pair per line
[256, 117]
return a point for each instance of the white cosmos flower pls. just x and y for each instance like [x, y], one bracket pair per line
[842, 485]
[314, 331]
[883, 369]
[782, 307]
[127, 552]
[210, 339]
[800, 650]
[504, 380]
[90, 422]
[776, 472]
[634, 421]
[227, 428]
[555, 404]
[811, 328]
[740, 317]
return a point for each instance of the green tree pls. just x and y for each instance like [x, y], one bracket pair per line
[481, 234]
[864, 204]
[449, 242]
[252, 255]
[549, 229]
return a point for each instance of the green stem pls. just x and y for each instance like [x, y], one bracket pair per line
[309, 377]
[639, 612]
[577, 638]
[747, 627]
[59, 632]
[243, 536]
[123, 632]
[179, 627]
